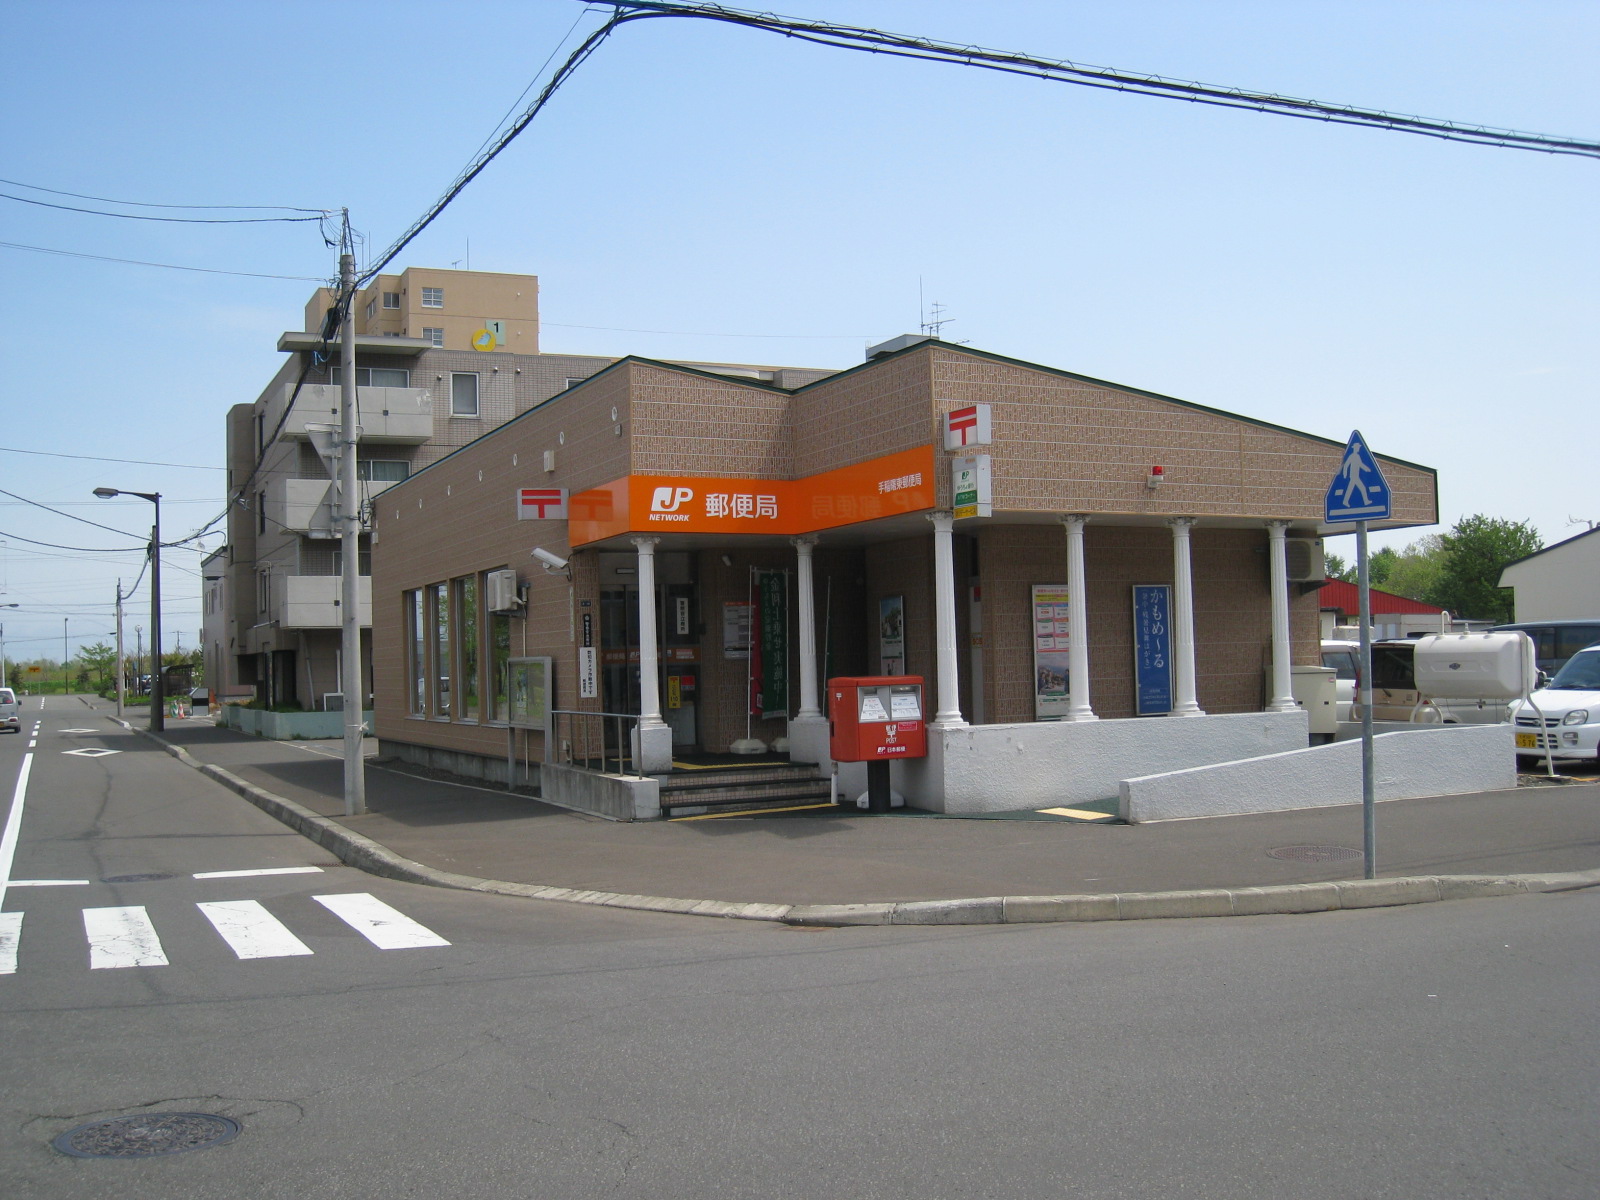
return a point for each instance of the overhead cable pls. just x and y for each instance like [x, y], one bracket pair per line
[135, 262]
[172, 220]
[34, 187]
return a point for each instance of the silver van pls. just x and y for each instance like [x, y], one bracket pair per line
[1556, 641]
[10, 711]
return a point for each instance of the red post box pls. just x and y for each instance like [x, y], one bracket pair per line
[876, 718]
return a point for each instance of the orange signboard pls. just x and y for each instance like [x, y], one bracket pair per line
[882, 487]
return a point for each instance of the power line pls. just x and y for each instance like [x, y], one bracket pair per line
[34, 187]
[95, 212]
[69, 516]
[138, 462]
[873, 41]
[134, 262]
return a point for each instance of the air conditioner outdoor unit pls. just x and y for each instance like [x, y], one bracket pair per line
[503, 595]
[1304, 560]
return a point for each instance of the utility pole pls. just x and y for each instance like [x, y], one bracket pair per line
[65, 658]
[355, 785]
[122, 685]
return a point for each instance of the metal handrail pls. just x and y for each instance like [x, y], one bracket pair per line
[622, 744]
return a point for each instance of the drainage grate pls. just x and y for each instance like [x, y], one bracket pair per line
[147, 1136]
[1314, 854]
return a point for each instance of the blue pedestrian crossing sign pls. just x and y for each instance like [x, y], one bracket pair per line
[1359, 491]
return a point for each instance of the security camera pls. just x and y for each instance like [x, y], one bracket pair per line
[552, 562]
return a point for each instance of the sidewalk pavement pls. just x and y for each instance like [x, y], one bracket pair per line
[859, 869]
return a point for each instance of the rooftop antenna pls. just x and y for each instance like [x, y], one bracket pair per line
[467, 259]
[934, 321]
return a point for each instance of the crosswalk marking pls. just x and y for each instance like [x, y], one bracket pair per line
[251, 930]
[10, 934]
[122, 937]
[258, 871]
[385, 927]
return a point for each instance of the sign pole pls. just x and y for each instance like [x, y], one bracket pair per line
[1359, 494]
[1369, 821]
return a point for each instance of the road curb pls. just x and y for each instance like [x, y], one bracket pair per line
[1281, 899]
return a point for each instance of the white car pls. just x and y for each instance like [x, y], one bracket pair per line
[10, 711]
[1570, 707]
[1345, 659]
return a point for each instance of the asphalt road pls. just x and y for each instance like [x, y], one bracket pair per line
[1441, 1050]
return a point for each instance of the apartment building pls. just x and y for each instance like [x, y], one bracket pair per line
[442, 357]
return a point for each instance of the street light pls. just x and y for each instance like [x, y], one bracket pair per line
[157, 690]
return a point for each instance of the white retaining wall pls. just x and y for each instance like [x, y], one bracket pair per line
[999, 768]
[1434, 760]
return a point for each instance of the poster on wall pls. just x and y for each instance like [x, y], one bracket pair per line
[529, 685]
[588, 674]
[735, 629]
[1152, 648]
[1051, 636]
[770, 673]
[892, 635]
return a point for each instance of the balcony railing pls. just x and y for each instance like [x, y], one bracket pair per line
[402, 416]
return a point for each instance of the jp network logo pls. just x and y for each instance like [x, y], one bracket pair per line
[669, 499]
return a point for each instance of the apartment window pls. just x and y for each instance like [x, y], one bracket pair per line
[463, 395]
[383, 470]
[391, 299]
[372, 308]
[466, 603]
[571, 382]
[263, 592]
[375, 377]
[432, 297]
[416, 653]
[433, 334]
[261, 512]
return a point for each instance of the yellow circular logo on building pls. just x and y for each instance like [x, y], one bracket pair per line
[484, 339]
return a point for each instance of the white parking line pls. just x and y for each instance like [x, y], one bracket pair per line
[8, 839]
[122, 937]
[49, 883]
[384, 927]
[251, 930]
[10, 935]
[258, 871]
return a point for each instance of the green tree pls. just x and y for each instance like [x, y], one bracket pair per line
[1415, 570]
[1475, 552]
[1334, 567]
[99, 660]
[1380, 565]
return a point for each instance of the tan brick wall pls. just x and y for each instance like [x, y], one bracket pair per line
[1067, 445]
[863, 414]
[688, 424]
[1233, 617]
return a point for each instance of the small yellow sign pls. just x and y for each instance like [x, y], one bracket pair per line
[484, 339]
[35, 670]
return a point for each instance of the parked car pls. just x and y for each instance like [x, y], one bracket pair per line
[1345, 659]
[10, 711]
[1569, 707]
[1554, 642]
[1395, 696]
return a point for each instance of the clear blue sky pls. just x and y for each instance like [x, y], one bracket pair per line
[716, 182]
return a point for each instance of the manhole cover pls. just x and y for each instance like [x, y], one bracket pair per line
[1315, 854]
[147, 877]
[147, 1136]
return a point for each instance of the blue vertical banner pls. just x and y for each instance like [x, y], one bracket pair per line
[1152, 648]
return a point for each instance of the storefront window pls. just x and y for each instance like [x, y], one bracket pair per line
[439, 601]
[499, 654]
[416, 655]
[467, 631]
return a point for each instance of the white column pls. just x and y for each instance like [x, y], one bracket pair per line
[654, 745]
[808, 728]
[1183, 702]
[808, 628]
[1078, 708]
[1282, 685]
[944, 622]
